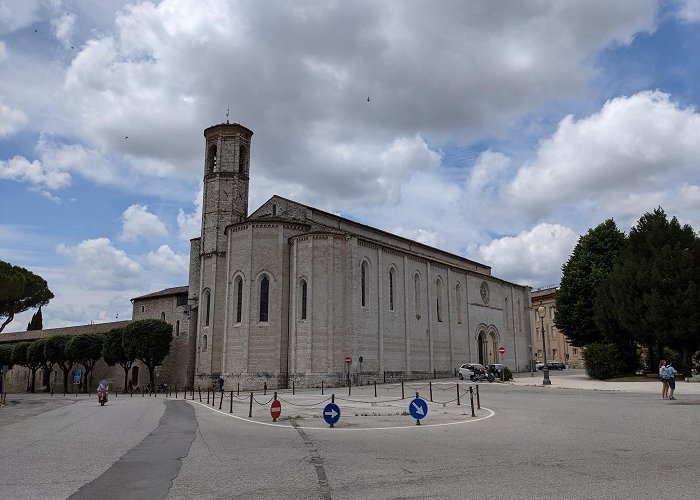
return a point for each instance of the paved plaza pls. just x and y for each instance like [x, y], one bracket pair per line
[575, 439]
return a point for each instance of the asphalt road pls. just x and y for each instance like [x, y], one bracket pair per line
[540, 442]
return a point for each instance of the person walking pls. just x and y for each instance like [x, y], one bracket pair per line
[670, 374]
[664, 382]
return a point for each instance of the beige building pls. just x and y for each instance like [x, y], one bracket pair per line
[558, 347]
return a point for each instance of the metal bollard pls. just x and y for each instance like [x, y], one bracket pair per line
[431, 391]
[131, 392]
[231, 409]
[402, 396]
[207, 396]
[434, 373]
[143, 392]
[238, 388]
[375, 388]
[213, 398]
[332, 401]
[175, 391]
[417, 421]
[250, 410]
[458, 393]
[221, 401]
[349, 387]
[478, 401]
[199, 389]
[292, 387]
[385, 377]
[471, 397]
[265, 389]
[321, 387]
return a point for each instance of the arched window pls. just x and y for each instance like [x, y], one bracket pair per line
[211, 159]
[364, 271]
[416, 292]
[302, 299]
[204, 342]
[242, 159]
[458, 299]
[392, 279]
[162, 316]
[238, 287]
[264, 298]
[438, 298]
[207, 307]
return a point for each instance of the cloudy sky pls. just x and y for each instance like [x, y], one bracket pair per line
[497, 130]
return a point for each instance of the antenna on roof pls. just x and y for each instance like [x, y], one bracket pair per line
[228, 108]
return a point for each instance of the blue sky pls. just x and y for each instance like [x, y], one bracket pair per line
[500, 131]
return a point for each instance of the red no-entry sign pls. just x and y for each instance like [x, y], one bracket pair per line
[502, 350]
[348, 359]
[275, 410]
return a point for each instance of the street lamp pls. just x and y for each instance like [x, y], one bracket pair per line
[541, 311]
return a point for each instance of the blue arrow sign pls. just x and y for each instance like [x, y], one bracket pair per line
[331, 413]
[418, 408]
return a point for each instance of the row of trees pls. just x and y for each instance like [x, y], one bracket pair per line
[627, 292]
[145, 340]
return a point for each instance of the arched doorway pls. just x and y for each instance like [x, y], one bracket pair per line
[482, 348]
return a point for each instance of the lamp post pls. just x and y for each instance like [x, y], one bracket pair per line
[545, 369]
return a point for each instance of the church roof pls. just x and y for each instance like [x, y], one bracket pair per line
[336, 223]
[178, 290]
[68, 330]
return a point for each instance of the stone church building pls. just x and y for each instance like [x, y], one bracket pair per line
[290, 293]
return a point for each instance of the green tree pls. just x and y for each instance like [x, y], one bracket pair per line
[652, 285]
[114, 353]
[148, 340]
[37, 321]
[20, 290]
[21, 358]
[602, 361]
[56, 350]
[86, 349]
[582, 275]
[36, 354]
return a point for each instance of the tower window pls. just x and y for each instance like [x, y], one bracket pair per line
[458, 299]
[242, 159]
[162, 316]
[204, 342]
[416, 286]
[212, 159]
[264, 298]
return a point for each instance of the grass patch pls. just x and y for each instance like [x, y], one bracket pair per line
[633, 378]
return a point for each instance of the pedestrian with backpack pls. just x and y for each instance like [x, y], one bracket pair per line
[670, 377]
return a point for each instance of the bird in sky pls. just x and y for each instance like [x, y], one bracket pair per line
[125, 138]
[368, 99]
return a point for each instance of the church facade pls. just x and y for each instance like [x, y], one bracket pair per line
[291, 293]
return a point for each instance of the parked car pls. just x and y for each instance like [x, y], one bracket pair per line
[496, 368]
[552, 365]
[467, 369]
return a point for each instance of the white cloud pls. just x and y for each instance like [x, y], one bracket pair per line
[533, 256]
[138, 222]
[190, 224]
[63, 28]
[15, 15]
[3, 52]
[11, 120]
[488, 170]
[640, 144]
[22, 170]
[100, 266]
[688, 10]
[166, 261]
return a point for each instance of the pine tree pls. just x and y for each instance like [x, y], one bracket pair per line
[37, 322]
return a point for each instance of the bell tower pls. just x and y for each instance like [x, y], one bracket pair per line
[226, 179]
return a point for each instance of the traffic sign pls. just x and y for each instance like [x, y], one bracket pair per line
[502, 350]
[331, 413]
[418, 408]
[348, 359]
[275, 410]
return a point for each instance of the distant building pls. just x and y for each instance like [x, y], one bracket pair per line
[558, 346]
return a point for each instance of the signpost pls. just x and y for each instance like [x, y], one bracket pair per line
[502, 351]
[418, 409]
[331, 414]
[275, 410]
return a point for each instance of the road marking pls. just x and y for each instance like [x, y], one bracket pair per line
[339, 429]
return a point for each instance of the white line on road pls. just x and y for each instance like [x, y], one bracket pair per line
[337, 429]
